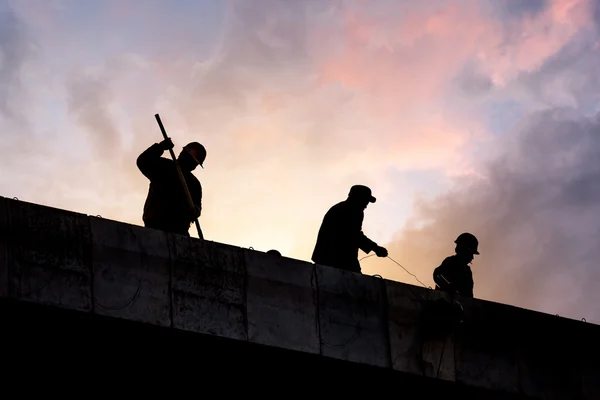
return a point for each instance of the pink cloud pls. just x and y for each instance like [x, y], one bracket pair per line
[423, 50]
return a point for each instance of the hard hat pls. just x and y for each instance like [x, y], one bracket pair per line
[469, 241]
[363, 192]
[197, 151]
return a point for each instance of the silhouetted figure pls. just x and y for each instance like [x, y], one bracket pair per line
[166, 206]
[340, 236]
[274, 253]
[454, 274]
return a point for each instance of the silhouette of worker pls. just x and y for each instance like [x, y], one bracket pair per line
[167, 207]
[454, 274]
[274, 253]
[340, 235]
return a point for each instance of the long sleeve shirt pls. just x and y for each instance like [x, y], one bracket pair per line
[166, 205]
[340, 237]
[458, 273]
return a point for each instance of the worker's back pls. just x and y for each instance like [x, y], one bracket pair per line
[454, 274]
[339, 237]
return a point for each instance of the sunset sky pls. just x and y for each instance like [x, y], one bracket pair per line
[461, 115]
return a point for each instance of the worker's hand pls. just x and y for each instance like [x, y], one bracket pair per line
[381, 251]
[166, 144]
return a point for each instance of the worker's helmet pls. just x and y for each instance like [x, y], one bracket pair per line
[362, 192]
[197, 151]
[468, 241]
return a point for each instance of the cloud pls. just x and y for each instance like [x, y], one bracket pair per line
[16, 47]
[519, 9]
[565, 79]
[89, 99]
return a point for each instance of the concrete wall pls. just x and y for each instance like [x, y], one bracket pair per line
[74, 261]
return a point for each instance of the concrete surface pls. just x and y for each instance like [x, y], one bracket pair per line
[125, 272]
[352, 318]
[49, 253]
[208, 284]
[281, 302]
[131, 272]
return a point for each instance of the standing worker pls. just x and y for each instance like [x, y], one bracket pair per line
[454, 274]
[167, 207]
[340, 236]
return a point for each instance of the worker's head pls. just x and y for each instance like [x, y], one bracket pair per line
[193, 154]
[361, 196]
[466, 245]
[274, 253]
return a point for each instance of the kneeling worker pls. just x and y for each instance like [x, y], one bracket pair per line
[167, 206]
[340, 236]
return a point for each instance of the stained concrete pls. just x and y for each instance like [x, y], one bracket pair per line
[49, 253]
[352, 318]
[486, 352]
[404, 310]
[65, 260]
[208, 287]
[551, 351]
[282, 302]
[131, 272]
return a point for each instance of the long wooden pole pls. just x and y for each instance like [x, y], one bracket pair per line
[181, 178]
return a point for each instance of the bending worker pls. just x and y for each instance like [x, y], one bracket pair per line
[454, 274]
[340, 236]
[167, 207]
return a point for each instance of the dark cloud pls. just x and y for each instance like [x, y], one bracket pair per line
[96, 95]
[15, 48]
[536, 213]
[471, 81]
[265, 43]
[596, 11]
[519, 9]
[567, 77]
[89, 100]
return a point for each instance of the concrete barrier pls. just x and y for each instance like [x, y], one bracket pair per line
[590, 374]
[487, 351]
[131, 272]
[3, 250]
[281, 302]
[404, 314]
[352, 318]
[69, 260]
[208, 287]
[49, 253]
[551, 352]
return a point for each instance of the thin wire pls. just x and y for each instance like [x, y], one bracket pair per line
[367, 256]
[408, 272]
[400, 265]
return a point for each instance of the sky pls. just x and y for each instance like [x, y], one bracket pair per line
[460, 115]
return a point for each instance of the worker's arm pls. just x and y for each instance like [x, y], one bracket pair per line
[366, 244]
[468, 290]
[440, 276]
[149, 161]
[197, 199]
